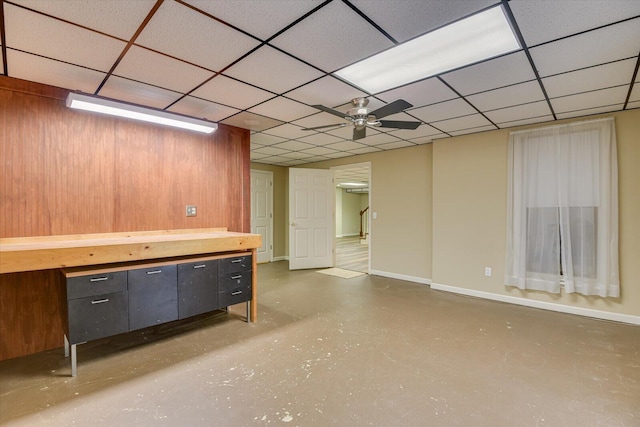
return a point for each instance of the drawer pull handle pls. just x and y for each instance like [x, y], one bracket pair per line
[99, 301]
[99, 279]
[236, 293]
[154, 272]
[239, 276]
[235, 261]
[200, 266]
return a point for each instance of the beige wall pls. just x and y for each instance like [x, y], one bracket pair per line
[280, 206]
[350, 213]
[401, 196]
[469, 216]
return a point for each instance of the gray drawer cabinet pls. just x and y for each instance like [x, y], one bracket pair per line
[97, 306]
[109, 300]
[153, 296]
[234, 280]
[197, 288]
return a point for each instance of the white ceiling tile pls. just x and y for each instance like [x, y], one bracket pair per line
[598, 98]
[585, 50]
[50, 72]
[635, 93]
[295, 155]
[632, 105]
[346, 145]
[416, 17]
[541, 119]
[338, 154]
[461, 123]
[541, 21]
[395, 145]
[196, 107]
[425, 92]
[589, 111]
[115, 17]
[534, 109]
[137, 93]
[273, 151]
[365, 150]
[327, 91]
[319, 119]
[331, 38]
[319, 151]
[272, 70]
[498, 72]
[261, 18]
[507, 96]
[257, 156]
[35, 33]
[230, 92]
[273, 160]
[603, 76]
[181, 32]
[426, 139]
[321, 139]
[422, 130]
[251, 121]
[150, 67]
[378, 138]
[283, 109]
[264, 139]
[293, 145]
[443, 110]
[288, 131]
[472, 130]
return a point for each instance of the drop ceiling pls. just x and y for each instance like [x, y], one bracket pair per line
[261, 65]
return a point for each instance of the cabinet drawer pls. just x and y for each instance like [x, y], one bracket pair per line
[197, 288]
[235, 295]
[153, 296]
[98, 316]
[97, 284]
[234, 280]
[234, 264]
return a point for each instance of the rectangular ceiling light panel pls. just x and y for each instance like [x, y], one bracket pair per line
[119, 109]
[479, 37]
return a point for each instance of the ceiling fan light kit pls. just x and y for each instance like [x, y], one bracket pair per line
[360, 117]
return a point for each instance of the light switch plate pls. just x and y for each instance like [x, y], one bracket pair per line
[191, 210]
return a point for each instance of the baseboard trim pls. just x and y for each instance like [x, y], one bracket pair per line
[280, 258]
[414, 279]
[580, 311]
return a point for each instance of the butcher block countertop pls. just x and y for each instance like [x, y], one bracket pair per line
[46, 252]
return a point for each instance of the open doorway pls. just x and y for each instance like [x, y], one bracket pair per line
[352, 224]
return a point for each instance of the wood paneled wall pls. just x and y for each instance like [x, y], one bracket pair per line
[68, 172]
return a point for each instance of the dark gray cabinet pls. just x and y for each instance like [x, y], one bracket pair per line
[97, 306]
[197, 288]
[234, 280]
[153, 296]
[126, 297]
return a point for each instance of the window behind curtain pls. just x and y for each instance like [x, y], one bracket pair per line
[563, 209]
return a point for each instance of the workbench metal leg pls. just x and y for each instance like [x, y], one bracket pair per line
[74, 369]
[66, 346]
[248, 311]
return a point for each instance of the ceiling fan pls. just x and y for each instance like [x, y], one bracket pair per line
[360, 117]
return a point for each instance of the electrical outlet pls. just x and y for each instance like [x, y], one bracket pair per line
[191, 210]
[487, 271]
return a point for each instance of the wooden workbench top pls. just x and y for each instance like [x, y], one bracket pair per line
[46, 252]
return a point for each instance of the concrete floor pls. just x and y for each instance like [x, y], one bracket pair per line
[341, 352]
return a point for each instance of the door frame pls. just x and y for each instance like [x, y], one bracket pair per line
[370, 223]
[270, 207]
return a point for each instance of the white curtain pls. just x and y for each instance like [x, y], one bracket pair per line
[562, 220]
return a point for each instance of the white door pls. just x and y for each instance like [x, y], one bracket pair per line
[310, 218]
[262, 212]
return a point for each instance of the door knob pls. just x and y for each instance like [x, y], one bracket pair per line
[293, 224]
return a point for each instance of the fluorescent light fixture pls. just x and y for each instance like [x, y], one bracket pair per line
[476, 38]
[114, 108]
[354, 184]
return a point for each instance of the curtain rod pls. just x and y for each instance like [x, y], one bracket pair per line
[561, 125]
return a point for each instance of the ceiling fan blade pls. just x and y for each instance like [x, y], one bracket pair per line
[399, 124]
[338, 125]
[331, 111]
[392, 108]
[359, 134]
